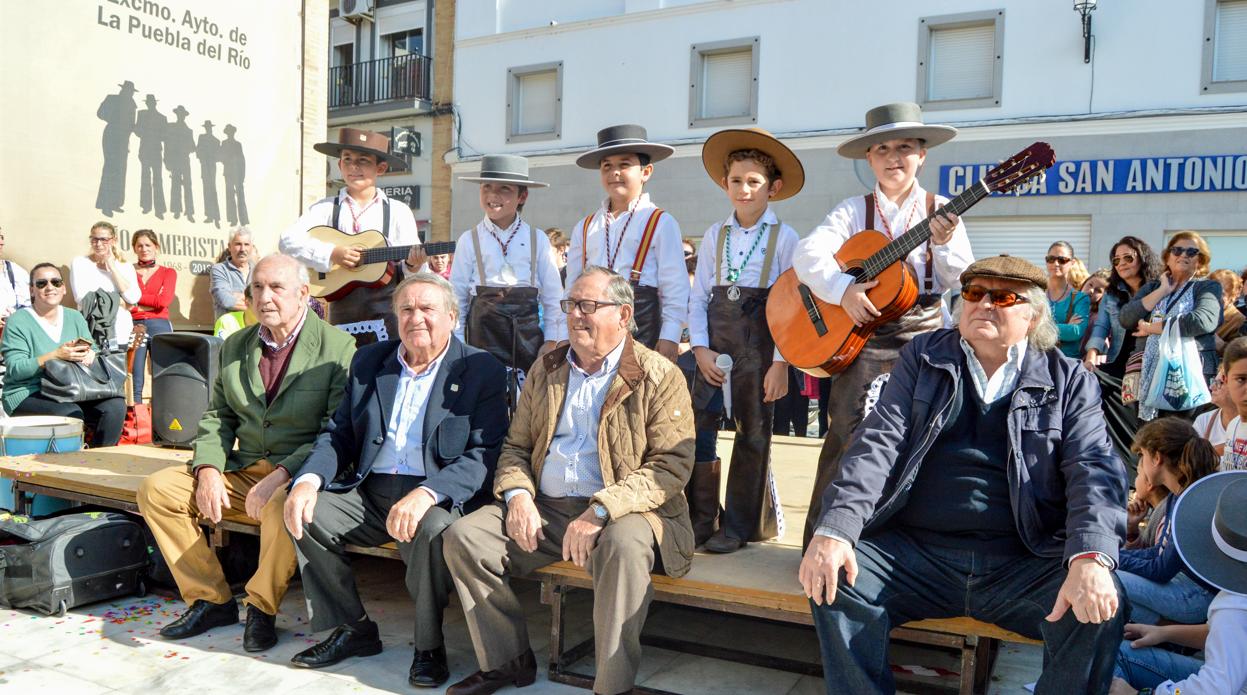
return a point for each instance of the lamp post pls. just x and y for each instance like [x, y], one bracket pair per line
[1084, 8]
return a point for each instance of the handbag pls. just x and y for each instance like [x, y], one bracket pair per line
[72, 382]
[1178, 380]
[1132, 377]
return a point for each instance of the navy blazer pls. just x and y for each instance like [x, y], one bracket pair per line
[465, 422]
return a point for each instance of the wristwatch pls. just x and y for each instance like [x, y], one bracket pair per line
[1100, 559]
[600, 512]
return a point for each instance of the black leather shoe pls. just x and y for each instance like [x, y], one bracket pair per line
[201, 617]
[722, 543]
[520, 672]
[428, 669]
[357, 639]
[261, 631]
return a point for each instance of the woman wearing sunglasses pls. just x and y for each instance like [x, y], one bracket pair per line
[105, 271]
[48, 331]
[1181, 293]
[1110, 345]
[1071, 309]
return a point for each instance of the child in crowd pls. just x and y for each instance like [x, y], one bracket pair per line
[1210, 534]
[740, 258]
[1234, 366]
[1211, 424]
[1159, 585]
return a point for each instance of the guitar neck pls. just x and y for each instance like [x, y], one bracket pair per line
[901, 246]
[393, 254]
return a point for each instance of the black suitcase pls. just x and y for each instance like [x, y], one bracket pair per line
[55, 563]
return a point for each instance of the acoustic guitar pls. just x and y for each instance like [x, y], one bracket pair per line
[819, 338]
[376, 263]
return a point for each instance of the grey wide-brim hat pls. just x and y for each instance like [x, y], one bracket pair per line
[620, 139]
[504, 168]
[893, 122]
[1210, 529]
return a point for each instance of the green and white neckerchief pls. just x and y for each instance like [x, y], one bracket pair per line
[733, 273]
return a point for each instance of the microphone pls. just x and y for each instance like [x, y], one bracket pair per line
[724, 362]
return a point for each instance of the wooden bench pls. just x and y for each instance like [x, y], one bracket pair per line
[974, 640]
[110, 477]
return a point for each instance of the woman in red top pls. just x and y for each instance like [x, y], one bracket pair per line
[157, 283]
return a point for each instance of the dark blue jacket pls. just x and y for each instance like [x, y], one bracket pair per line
[1160, 561]
[465, 422]
[1068, 488]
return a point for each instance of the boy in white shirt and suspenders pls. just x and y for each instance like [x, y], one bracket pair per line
[633, 237]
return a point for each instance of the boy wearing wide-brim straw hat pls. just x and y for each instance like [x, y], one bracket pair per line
[504, 276]
[739, 259]
[633, 237]
[359, 206]
[895, 145]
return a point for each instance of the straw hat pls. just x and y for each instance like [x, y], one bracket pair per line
[718, 146]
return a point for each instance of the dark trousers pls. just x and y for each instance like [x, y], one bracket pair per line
[103, 418]
[357, 517]
[900, 580]
[154, 327]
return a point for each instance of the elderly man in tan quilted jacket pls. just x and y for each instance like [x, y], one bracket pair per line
[612, 504]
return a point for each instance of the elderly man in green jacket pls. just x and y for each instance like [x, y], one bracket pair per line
[279, 383]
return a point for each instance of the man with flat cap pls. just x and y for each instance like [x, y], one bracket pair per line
[359, 206]
[935, 514]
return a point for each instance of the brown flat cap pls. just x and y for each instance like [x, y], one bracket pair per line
[1006, 267]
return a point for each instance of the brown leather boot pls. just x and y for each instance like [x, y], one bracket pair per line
[703, 499]
[520, 672]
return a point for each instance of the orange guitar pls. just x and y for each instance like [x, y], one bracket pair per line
[818, 337]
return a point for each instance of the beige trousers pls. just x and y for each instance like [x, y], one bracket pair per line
[482, 558]
[167, 501]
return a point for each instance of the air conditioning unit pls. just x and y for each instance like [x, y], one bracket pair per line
[355, 10]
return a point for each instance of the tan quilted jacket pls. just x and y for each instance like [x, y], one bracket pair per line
[645, 443]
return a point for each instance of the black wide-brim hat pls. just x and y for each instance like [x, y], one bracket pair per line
[718, 146]
[359, 140]
[504, 168]
[895, 122]
[1210, 530]
[621, 139]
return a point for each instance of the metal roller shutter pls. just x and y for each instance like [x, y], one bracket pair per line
[1028, 237]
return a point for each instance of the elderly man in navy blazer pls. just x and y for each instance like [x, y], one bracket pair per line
[411, 448]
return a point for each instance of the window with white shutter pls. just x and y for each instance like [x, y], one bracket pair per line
[535, 102]
[959, 63]
[1225, 46]
[1030, 237]
[723, 83]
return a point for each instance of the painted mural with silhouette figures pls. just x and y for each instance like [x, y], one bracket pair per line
[167, 146]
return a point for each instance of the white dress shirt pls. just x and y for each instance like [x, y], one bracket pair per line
[817, 267]
[14, 294]
[315, 254]
[1225, 669]
[86, 277]
[664, 266]
[402, 453]
[741, 241]
[465, 278]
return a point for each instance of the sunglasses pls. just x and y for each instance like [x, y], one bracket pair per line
[586, 306]
[100, 239]
[1188, 251]
[1059, 260]
[1000, 298]
[43, 282]
[1124, 259]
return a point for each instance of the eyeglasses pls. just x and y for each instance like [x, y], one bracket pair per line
[43, 282]
[1188, 251]
[586, 306]
[1059, 260]
[100, 239]
[1000, 298]
[1124, 259]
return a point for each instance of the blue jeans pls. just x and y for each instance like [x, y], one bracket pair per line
[900, 580]
[1180, 599]
[1150, 666]
[154, 327]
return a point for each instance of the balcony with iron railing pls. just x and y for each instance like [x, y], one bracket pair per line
[401, 78]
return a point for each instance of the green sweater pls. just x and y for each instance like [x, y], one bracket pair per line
[24, 342]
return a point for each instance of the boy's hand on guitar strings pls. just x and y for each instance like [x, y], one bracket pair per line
[857, 305]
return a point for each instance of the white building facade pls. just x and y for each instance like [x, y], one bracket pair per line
[1150, 133]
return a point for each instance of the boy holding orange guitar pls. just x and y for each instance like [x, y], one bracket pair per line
[895, 146]
[740, 258]
[359, 206]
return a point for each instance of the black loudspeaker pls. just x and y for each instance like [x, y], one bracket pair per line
[184, 367]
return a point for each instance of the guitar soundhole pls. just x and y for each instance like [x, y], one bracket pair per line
[856, 271]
